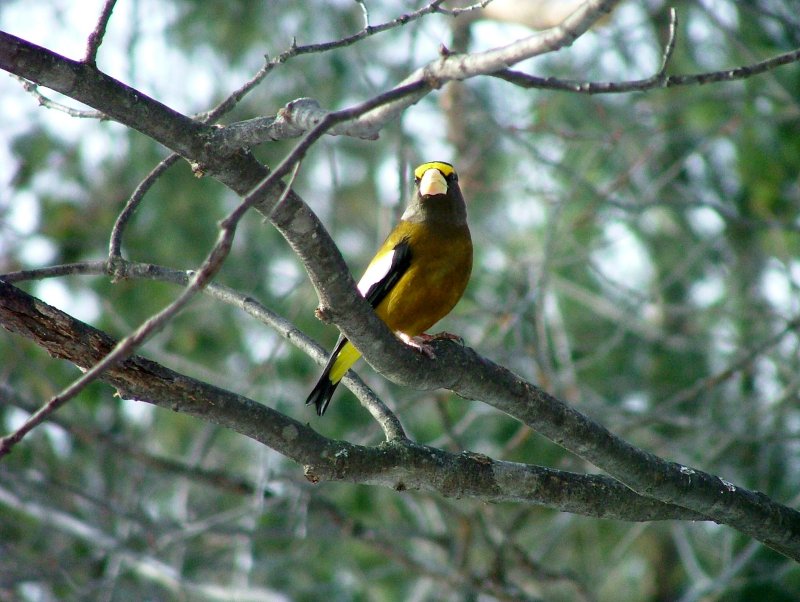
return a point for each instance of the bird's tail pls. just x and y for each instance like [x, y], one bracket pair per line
[343, 356]
[321, 395]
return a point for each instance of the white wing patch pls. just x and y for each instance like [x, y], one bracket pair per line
[376, 271]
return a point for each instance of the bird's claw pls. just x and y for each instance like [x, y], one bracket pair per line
[447, 336]
[421, 342]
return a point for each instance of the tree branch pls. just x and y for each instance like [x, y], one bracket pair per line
[458, 369]
[115, 240]
[48, 103]
[434, 75]
[473, 377]
[96, 37]
[400, 464]
[124, 270]
[656, 81]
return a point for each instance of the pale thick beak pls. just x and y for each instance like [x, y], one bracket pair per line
[432, 183]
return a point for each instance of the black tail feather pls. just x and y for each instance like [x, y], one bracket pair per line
[322, 393]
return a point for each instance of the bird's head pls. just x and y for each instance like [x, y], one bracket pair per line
[436, 194]
[433, 178]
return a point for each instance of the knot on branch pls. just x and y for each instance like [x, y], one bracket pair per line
[323, 314]
[116, 268]
[304, 113]
[310, 475]
[432, 81]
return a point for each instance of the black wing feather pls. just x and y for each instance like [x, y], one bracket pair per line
[401, 260]
[321, 395]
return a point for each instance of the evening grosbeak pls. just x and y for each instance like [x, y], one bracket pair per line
[418, 274]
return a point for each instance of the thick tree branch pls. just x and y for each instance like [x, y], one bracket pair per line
[125, 270]
[240, 171]
[474, 377]
[262, 194]
[458, 369]
[399, 465]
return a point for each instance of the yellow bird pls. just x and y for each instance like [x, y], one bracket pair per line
[418, 274]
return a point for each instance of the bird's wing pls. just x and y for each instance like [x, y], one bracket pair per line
[384, 272]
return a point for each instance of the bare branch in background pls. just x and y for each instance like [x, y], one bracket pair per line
[96, 37]
[115, 241]
[659, 80]
[48, 103]
[448, 67]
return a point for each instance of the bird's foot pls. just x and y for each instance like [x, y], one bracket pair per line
[446, 336]
[421, 342]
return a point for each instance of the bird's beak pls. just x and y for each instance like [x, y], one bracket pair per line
[432, 183]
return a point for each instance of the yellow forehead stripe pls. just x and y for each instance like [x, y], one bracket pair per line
[445, 168]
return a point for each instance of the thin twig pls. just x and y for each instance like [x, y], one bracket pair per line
[369, 30]
[47, 103]
[669, 49]
[235, 97]
[96, 37]
[454, 12]
[712, 381]
[56, 271]
[294, 50]
[115, 241]
[364, 12]
[525, 80]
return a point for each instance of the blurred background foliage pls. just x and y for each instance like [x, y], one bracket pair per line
[636, 255]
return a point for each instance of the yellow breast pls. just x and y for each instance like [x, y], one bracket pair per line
[441, 263]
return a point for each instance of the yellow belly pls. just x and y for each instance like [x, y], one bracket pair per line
[426, 293]
[441, 264]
